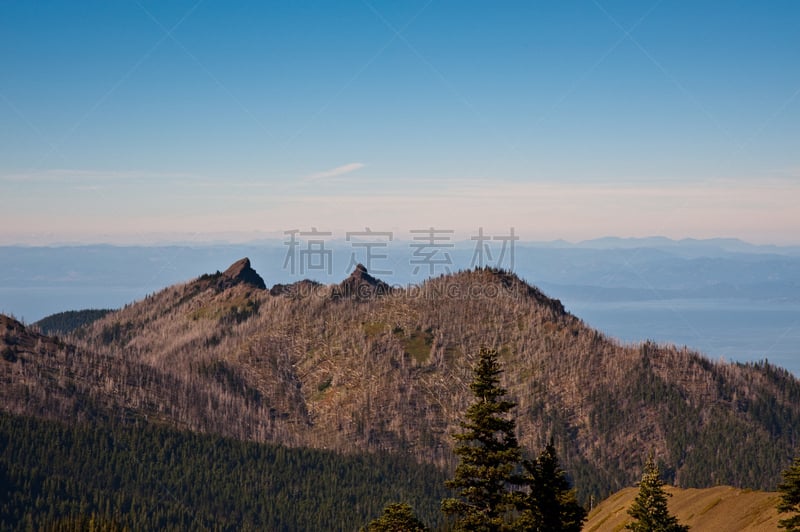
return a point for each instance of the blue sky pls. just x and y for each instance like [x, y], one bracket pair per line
[125, 121]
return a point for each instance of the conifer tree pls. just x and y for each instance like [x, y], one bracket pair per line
[790, 496]
[397, 517]
[488, 452]
[649, 509]
[550, 505]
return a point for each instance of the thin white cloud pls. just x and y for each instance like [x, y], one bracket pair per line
[335, 172]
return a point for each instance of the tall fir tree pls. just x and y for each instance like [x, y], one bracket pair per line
[550, 504]
[789, 501]
[488, 452]
[649, 509]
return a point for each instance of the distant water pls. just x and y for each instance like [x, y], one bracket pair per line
[736, 330]
[34, 303]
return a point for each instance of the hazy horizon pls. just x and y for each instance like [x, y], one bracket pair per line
[256, 237]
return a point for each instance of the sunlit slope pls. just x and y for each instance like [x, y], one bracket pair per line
[717, 509]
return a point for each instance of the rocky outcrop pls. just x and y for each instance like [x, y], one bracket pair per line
[297, 290]
[360, 286]
[240, 272]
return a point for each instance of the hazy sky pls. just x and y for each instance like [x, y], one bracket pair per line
[121, 119]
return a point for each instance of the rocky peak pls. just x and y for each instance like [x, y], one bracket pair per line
[240, 272]
[360, 285]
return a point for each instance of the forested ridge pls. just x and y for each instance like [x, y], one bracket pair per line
[68, 321]
[360, 367]
[141, 476]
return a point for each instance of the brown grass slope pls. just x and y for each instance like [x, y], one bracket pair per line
[721, 508]
[363, 370]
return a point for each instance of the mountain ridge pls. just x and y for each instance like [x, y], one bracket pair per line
[391, 373]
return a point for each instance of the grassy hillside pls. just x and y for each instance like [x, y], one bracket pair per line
[704, 510]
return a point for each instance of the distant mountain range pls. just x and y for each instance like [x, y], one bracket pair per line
[703, 247]
[360, 366]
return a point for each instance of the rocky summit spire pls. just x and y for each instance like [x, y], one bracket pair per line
[241, 272]
[360, 286]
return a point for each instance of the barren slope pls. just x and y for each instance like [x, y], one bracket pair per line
[365, 369]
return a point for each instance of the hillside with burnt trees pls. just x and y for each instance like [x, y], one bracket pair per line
[363, 367]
